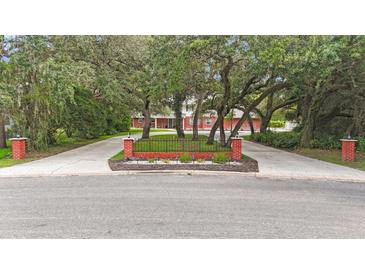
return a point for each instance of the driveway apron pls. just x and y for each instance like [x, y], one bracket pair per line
[278, 163]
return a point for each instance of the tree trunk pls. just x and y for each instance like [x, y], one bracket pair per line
[147, 120]
[251, 107]
[196, 118]
[308, 130]
[222, 135]
[213, 130]
[311, 116]
[266, 119]
[2, 132]
[252, 128]
[222, 109]
[178, 102]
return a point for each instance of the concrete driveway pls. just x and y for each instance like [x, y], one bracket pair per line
[89, 159]
[275, 163]
[93, 160]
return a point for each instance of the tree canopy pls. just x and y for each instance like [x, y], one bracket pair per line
[91, 85]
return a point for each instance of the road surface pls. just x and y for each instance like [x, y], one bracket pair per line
[179, 206]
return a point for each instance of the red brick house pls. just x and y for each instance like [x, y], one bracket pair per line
[205, 122]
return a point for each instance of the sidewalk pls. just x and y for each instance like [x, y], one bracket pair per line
[275, 163]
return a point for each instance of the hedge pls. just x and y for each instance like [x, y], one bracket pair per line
[277, 124]
[279, 140]
[291, 140]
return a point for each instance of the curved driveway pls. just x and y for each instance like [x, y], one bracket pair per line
[89, 159]
[276, 163]
[93, 160]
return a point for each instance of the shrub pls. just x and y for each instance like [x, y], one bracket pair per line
[152, 160]
[200, 161]
[220, 158]
[288, 140]
[186, 158]
[360, 144]
[328, 142]
[277, 124]
[166, 161]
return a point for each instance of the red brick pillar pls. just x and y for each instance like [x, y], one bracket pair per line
[128, 147]
[236, 149]
[348, 149]
[18, 146]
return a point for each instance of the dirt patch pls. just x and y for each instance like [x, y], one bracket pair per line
[248, 165]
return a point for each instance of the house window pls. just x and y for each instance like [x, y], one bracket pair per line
[191, 121]
[208, 121]
[140, 120]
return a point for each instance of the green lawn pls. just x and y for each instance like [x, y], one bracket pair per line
[64, 144]
[119, 156]
[333, 156]
[4, 152]
[170, 143]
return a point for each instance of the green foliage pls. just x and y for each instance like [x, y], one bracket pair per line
[329, 142]
[87, 118]
[360, 144]
[200, 161]
[88, 86]
[277, 124]
[5, 152]
[185, 158]
[289, 140]
[152, 160]
[220, 158]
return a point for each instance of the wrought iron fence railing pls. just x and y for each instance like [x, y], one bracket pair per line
[177, 145]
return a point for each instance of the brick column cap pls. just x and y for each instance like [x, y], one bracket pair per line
[348, 140]
[18, 139]
[128, 138]
[236, 138]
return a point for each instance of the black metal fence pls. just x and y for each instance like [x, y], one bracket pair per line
[177, 145]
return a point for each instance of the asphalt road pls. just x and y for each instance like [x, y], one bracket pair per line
[179, 206]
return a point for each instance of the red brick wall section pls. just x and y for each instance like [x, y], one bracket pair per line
[18, 149]
[231, 123]
[162, 122]
[128, 147]
[236, 149]
[348, 150]
[174, 155]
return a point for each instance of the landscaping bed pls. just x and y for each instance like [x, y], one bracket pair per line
[246, 165]
[167, 152]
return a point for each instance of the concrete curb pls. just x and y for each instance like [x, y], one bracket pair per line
[137, 172]
[195, 172]
[311, 178]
